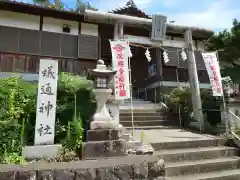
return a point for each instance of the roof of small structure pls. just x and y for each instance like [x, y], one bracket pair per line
[131, 9]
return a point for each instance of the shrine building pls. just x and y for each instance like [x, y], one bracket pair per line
[30, 32]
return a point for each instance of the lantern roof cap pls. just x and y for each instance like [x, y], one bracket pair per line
[100, 61]
[101, 68]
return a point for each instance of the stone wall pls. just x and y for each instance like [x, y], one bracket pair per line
[122, 168]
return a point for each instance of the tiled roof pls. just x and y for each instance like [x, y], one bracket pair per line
[129, 4]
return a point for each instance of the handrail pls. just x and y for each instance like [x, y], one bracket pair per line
[164, 105]
[235, 135]
[231, 131]
[238, 118]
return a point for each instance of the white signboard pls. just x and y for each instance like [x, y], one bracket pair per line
[213, 69]
[46, 102]
[120, 54]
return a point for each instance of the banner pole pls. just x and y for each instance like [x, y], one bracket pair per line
[225, 109]
[130, 86]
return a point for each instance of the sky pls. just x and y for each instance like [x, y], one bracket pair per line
[212, 14]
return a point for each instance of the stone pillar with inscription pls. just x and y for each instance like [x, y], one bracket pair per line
[103, 137]
[44, 146]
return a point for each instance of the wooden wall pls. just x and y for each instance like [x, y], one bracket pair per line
[30, 64]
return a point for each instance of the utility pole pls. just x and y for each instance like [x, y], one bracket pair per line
[193, 81]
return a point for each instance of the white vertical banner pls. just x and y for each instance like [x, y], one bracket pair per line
[120, 53]
[46, 102]
[213, 69]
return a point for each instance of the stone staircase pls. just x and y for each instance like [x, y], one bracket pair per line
[145, 114]
[187, 156]
[207, 159]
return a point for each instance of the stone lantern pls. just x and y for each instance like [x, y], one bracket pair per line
[101, 77]
[103, 138]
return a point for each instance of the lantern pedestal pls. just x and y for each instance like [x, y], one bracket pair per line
[113, 107]
[103, 140]
[102, 118]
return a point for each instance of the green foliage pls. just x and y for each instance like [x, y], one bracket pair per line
[42, 2]
[10, 137]
[228, 45]
[180, 99]
[90, 7]
[74, 136]
[75, 96]
[18, 113]
[58, 4]
[12, 158]
[75, 131]
[15, 99]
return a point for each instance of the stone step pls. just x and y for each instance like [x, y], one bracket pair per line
[202, 166]
[218, 175]
[137, 102]
[193, 154]
[134, 99]
[208, 142]
[143, 122]
[140, 113]
[141, 118]
[140, 106]
[129, 128]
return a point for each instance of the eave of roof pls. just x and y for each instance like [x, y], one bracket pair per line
[39, 10]
[69, 15]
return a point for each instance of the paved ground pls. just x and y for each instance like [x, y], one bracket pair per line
[168, 135]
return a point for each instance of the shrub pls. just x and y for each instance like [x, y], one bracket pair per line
[71, 90]
[16, 99]
[180, 98]
[75, 96]
[18, 103]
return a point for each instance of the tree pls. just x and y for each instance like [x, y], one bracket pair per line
[42, 2]
[90, 7]
[227, 43]
[57, 4]
[81, 6]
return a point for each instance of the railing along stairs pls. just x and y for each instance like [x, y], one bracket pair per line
[234, 127]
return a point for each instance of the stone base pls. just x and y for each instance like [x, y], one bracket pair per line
[133, 144]
[41, 151]
[101, 149]
[102, 135]
[140, 149]
[104, 125]
[196, 125]
[145, 150]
